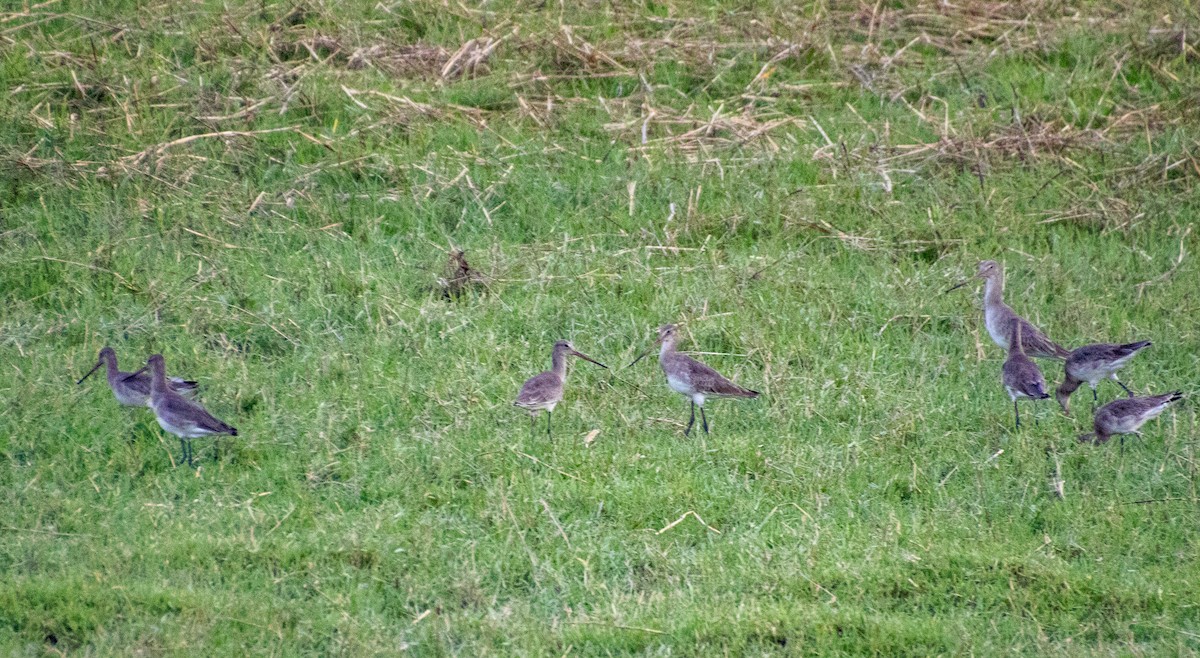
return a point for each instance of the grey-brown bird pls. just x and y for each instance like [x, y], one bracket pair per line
[545, 390]
[177, 414]
[1021, 376]
[999, 318]
[1126, 416]
[691, 378]
[133, 391]
[1093, 364]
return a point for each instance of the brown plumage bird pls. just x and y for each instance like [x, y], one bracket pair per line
[133, 391]
[691, 378]
[999, 318]
[1021, 376]
[545, 390]
[178, 415]
[1093, 364]
[1126, 416]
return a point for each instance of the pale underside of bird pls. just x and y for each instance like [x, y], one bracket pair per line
[691, 378]
[544, 390]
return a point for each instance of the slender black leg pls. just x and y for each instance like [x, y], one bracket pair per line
[548, 415]
[217, 448]
[1017, 413]
[691, 421]
[704, 419]
[1124, 387]
[1095, 398]
[1122, 445]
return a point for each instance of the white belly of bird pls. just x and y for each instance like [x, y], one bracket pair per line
[992, 322]
[188, 431]
[684, 387]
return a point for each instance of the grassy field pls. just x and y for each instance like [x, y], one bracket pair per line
[267, 193]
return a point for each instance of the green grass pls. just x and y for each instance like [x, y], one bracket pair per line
[384, 497]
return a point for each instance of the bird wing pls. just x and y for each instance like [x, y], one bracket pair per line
[1035, 343]
[540, 389]
[1021, 374]
[710, 382]
[139, 384]
[180, 407]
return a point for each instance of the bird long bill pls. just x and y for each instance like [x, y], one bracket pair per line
[135, 374]
[958, 286]
[94, 369]
[588, 358]
[640, 357]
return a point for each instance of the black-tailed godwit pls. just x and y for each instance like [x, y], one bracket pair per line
[133, 391]
[691, 378]
[545, 390]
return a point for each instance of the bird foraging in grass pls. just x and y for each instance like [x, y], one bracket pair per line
[545, 390]
[999, 318]
[691, 378]
[1021, 376]
[1093, 364]
[1126, 416]
[133, 391]
[178, 415]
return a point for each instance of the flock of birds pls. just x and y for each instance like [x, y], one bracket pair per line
[172, 399]
[1091, 363]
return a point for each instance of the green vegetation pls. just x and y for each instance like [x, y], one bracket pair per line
[267, 192]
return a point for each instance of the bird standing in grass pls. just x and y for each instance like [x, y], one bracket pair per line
[1126, 416]
[691, 378]
[1093, 364]
[133, 391]
[999, 318]
[545, 390]
[1021, 376]
[177, 414]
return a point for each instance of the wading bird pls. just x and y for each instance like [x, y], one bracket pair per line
[691, 378]
[1126, 416]
[133, 391]
[177, 414]
[999, 318]
[1093, 364]
[545, 390]
[1021, 376]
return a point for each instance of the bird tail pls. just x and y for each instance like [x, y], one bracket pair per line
[1175, 396]
[749, 393]
[1060, 352]
[232, 431]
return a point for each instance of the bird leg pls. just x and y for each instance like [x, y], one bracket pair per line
[548, 415]
[1096, 398]
[691, 421]
[1119, 383]
[1017, 413]
[704, 419]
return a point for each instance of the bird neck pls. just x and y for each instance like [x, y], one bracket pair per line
[668, 347]
[1068, 386]
[558, 364]
[158, 379]
[110, 366]
[993, 290]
